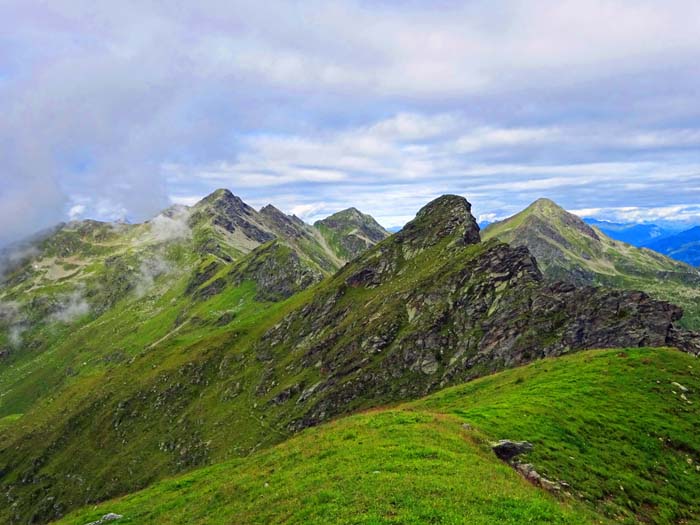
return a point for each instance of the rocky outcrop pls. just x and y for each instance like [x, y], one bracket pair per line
[277, 271]
[229, 212]
[507, 450]
[107, 518]
[685, 340]
[448, 216]
[431, 306]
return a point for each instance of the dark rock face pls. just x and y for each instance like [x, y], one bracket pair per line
[506, 450]
[231, 213]
[287, 227]
[278, 272]
[581, 318]
[685, 340]
[446, 216]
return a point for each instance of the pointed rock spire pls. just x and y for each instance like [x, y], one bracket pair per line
[446, 216]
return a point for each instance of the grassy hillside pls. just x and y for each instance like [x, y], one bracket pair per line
[568, 249]
[206, 367]
[109, 333]
[615, 425]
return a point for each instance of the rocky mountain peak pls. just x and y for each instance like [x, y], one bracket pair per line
[544, 203]
[352, 218]
[446, 216]
[550, 212]
[230, 214]
[287, 226]
[350, 232]
[225, 201]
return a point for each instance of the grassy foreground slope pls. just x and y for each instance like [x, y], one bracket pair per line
[613, 424]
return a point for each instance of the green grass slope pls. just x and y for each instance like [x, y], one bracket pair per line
[568, 249]
[204, 367]
[132, 356]
[613, 424]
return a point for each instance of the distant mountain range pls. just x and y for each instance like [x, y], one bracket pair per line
[683, 246]
[677, 243]
[631, 233]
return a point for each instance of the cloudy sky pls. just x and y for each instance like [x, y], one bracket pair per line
[116, 109]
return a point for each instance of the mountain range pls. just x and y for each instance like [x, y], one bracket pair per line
[683, 246]
[206, 342]
[631, 233]
[677, 243]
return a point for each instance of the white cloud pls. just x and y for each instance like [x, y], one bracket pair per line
[689, 213]
[308, 211]
[128, 103]
[170, 225]
[76, 211]
[185, 200]
[70, 307]
[150, 269]
[482, 138]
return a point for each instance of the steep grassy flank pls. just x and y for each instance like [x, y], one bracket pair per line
[611, 423]
[568, 249]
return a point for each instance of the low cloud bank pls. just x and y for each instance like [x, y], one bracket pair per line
[70, 307]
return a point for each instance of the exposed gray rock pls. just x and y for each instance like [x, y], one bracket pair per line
[492, 310]
[529, 473]
[685, 340]
[507, 450]
[680, 387]
[106, 518]
[446, 216]
[278, 271]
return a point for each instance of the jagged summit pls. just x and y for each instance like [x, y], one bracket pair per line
[225, 201]
[283, 224]
[350, 232]
[446, 216]
[220, 194]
